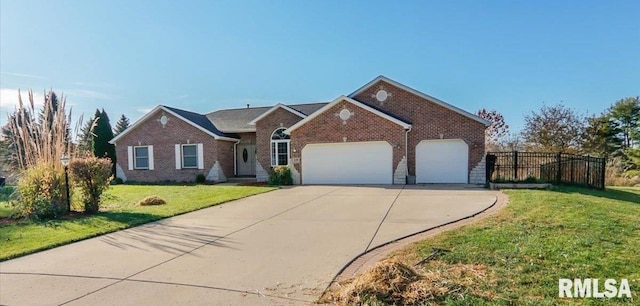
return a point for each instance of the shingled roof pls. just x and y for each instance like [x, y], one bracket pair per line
[222, 124]
[199, 120]
[237, 120]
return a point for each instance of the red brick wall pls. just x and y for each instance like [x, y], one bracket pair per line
[362, 126]
[225, 156]
[264, 129]
[163, 139]
[428, 121]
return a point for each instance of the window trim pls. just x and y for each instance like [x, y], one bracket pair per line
[135, 158]
[275, 142]
[195, 145]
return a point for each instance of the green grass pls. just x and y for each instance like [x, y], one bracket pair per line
[119, 212]
[5, 193]
[542, 236]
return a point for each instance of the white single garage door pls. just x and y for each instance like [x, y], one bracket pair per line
[442, 161]
[348, 163]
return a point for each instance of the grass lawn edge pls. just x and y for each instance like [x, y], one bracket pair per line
[125, 226]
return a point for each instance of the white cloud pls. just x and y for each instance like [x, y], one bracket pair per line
[9, 101]
[94, 84]
[86, 94]
[144, 110]
[23, 75]
[9, 98]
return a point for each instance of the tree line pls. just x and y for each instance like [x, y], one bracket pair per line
[613, 134]
[93, 137]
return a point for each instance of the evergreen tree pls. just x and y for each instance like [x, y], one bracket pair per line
[85, 136]
[626, 113]
[121, 125]
[601, 136]
[9, 145]
[49, 109]
[102, 133]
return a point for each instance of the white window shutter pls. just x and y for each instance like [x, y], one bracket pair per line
[200, 156]
[130, 157]
[150, 157]
[178, 157]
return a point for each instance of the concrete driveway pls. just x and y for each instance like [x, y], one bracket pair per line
[282, 247]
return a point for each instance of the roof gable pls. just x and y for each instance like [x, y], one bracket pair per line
[196, 120]
[273, 109]
[352, 101]
[421, 95]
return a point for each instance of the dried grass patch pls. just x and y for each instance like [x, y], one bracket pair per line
[391, 282]
[152, 200]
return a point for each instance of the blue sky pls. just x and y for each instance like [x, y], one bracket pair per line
[128, 56]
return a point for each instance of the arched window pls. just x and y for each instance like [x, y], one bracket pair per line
[279, 148]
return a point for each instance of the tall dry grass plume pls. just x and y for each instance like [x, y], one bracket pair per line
[40, 138]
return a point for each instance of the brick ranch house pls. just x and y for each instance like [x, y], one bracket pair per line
[383, 133]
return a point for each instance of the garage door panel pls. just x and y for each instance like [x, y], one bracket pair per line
[442, 161]
[348, 163]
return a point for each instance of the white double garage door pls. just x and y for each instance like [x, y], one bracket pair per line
[437, 161]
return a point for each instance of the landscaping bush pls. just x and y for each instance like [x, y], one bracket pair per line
[93, 176]
[201, 179]
[281, 175]
[41, 193]
[117, 181]
[152, 200]
[7, 192]
[615, 176]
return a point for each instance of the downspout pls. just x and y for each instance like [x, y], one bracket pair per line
[406, 150]
[235, 157]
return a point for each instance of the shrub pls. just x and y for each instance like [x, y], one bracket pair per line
[93, 176]
[201, 179]
[281, 175]
[41, 193]
[152, 200]
[614, 175]
[7, 192]
[117, 181]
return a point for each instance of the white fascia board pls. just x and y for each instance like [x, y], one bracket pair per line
[271, 110]
[253, 130]
[422, 95]
[352, 101]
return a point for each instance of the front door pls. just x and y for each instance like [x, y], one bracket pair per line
[246, 159]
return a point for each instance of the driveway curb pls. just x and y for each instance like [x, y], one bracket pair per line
[370, 257]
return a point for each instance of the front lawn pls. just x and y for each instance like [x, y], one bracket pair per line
[520, 253]
[119, 212]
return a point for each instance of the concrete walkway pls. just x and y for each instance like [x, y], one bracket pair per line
[282, 247]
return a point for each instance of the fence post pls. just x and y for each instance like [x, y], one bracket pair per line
[572, 161]
[604, 168]
[559, 171]
[515, 166]
[588, 171]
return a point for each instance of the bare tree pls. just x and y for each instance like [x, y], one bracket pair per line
[554, 128]
[497, 130]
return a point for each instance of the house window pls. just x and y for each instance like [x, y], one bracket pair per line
[141, 157]
[189, 156]
[279, 148]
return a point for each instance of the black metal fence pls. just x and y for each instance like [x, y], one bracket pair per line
[556, 168]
